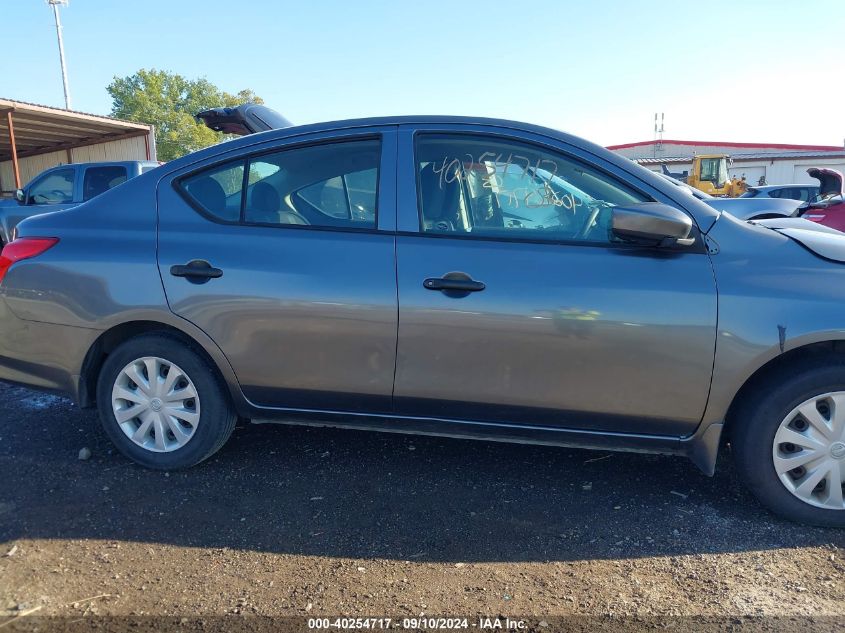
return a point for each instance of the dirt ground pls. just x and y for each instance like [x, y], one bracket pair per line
[296, 521]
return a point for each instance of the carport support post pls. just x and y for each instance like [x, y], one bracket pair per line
[15, 165]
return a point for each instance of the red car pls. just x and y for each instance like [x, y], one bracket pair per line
[829, 208]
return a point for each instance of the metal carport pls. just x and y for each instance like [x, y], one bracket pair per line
[34, 137]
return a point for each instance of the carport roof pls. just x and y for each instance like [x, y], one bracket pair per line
[38, 129]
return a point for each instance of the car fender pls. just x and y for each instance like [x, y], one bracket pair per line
[775, 297]
[133, 322]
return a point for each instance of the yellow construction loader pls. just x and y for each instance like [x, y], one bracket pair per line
[710, 175]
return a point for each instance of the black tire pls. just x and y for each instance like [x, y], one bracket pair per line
[217, 415]
[753, 435]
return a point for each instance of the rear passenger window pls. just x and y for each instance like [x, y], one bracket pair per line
[217, 191]
[501, 188]
[98, 180]
[332, 185]
[329, 185]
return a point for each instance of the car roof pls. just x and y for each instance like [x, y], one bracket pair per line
[383, 121]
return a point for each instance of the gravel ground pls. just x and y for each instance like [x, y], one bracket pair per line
[300, 521]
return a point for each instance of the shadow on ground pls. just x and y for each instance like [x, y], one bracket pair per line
[326, 492]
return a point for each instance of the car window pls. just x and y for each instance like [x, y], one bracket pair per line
[323, 185]
[802, 194]
[217, 191]
[53, 188]
[714, 170]
[98, 180]
[492, 187]
[789, 193]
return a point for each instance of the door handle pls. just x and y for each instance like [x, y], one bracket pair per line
[454, 282]
[196, 271]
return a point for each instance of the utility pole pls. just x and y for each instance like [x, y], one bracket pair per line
[55, 4]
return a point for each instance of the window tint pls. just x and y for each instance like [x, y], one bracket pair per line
[54, 188]
[491, 187]
[324, 185]
[797, 193]
[218, 191]
[98, 180]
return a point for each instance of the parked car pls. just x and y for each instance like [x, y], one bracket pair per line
[65, 186]
[743, 208]
[805, 193]
[464, 277]
[829, 207]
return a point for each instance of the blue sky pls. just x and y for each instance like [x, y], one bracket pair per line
[739, 71]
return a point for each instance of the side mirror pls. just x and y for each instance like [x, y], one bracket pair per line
[652, 223]
[20, 196]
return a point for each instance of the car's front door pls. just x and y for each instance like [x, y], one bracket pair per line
[517, 305]
[284, 256]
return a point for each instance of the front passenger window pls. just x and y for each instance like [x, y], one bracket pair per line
[482, 186]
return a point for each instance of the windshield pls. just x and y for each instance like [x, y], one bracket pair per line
[714, 170]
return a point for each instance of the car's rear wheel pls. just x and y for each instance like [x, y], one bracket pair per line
[161, 403]
[789, 443]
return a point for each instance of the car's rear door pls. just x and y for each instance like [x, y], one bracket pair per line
[515, 305]
[301, 234]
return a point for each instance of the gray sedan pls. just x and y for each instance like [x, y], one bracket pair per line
[465, 277]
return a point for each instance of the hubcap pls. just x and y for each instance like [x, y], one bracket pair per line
[809, 451]
[156, 404]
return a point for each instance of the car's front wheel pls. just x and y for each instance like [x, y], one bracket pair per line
[161, 403]
[789, 445]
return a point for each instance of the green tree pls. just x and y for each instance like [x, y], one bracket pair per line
[169, 101]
